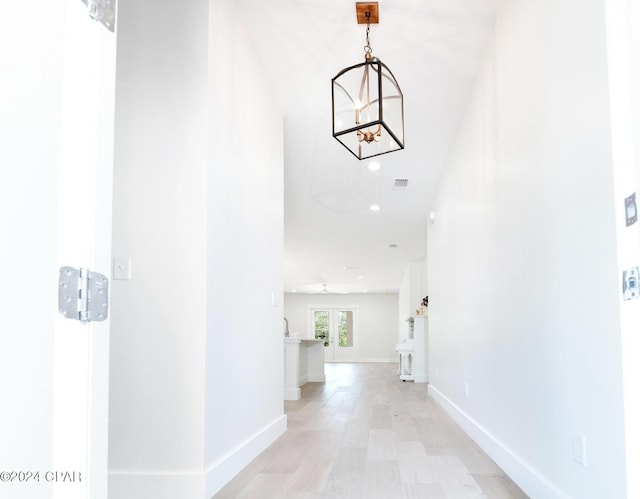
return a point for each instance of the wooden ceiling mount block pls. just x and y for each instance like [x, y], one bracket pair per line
[361, 11]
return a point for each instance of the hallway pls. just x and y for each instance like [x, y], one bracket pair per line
[365, 434]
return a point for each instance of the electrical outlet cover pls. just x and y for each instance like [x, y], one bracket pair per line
[579, 450]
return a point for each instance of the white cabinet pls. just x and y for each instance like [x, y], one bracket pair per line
[414, 353]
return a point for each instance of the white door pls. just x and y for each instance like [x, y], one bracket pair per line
[56, 96]
[338, 327]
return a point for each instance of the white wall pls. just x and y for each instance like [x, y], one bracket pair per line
[377, 320]
[424, 277]
[159, 316]
[409, 296]
[523, 279]
[245, 350]
[196, 372]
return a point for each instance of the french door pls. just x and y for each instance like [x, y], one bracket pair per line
[337, 326]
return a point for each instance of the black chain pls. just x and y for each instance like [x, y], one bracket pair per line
[367, 47]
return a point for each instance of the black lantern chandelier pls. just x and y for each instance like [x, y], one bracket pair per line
[367, 110]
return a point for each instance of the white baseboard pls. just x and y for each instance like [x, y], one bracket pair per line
[528, 479]
[159, 485]
[218, 474]
[316, 378]
[312, 378]
[198, 484]
[292, 394]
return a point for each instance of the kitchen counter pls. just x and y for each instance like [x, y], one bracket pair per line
[303, 363]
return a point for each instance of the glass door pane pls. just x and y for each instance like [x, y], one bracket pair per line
[321, 325]
[344, 347]
[345, 329]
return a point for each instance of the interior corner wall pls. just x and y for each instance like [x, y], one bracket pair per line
[404, 306]
[377, 320]
[158, 317]
[523, 277]
[244, 410]
[409, 296]
[424, 277]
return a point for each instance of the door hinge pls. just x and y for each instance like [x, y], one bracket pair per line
[103, 11]
[83, 295]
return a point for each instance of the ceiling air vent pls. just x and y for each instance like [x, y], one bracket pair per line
[400, 183]
[393, 245]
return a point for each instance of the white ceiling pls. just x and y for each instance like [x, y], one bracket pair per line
[433, 48]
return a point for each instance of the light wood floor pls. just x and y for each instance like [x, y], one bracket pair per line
[366, 434]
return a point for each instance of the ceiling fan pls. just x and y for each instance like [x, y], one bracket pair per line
[325, 291]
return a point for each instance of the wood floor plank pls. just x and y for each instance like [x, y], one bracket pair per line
[311, 476]
[381, 444]
[344, 486]
[423, 491]
[454, 478]
[351, 460]
[356, 434]
[382, 480]
[264, 485]
[498, 486]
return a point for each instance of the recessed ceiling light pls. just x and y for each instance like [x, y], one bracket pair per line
[374, 207]
[364, 290]
[374, 166]
[360, 277]
[294, 290]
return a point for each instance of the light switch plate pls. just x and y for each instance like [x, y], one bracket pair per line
[122, 269]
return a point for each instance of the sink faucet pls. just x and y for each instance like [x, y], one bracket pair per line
[286, 331]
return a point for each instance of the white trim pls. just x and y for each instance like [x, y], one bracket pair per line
[312, 378]
[194, 484]
[528, 479]
[218, 474]
[159, 485]
[292, 394]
